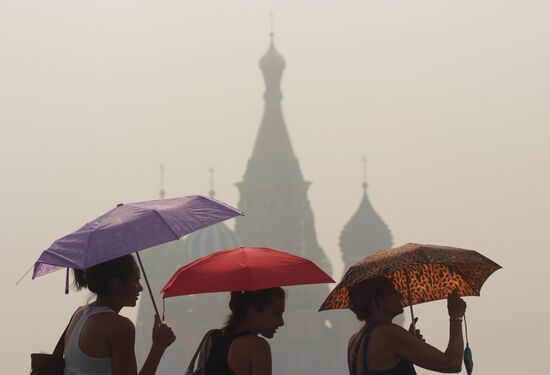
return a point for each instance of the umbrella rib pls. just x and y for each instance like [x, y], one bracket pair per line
[167, 225]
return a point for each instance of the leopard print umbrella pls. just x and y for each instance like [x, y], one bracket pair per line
[433, 273]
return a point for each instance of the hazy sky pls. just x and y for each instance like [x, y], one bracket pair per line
[448, 100]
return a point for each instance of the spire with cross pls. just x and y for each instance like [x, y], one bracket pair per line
[211, 192]
[364, 184]
[271, 25]
[162, 192]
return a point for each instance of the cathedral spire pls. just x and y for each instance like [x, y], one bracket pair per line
[273, 182]
[273, 156]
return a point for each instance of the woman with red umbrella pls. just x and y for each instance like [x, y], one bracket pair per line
[254, 277]
[383, 348]
[240, 347]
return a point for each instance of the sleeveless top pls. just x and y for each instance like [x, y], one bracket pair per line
[403, 367]
[216, 363]
[79, 363]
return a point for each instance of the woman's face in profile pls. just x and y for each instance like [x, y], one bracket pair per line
[391, 300]
[271, 318]
[130, 288]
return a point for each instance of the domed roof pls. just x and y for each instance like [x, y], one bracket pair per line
[208, 240]
[163, 260]
[364, 233]
[272, 58]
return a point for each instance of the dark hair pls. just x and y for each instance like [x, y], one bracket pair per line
[240, 301]
[362, 294]
[97, 278]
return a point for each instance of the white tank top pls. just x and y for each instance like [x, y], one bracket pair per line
[79, 363]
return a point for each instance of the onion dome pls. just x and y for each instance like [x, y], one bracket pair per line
[208, 240]
[365, 233]
[272, 60]
[162, 260]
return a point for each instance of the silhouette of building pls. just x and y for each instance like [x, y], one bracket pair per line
[273, 195]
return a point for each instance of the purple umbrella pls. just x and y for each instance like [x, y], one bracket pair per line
[129, 228]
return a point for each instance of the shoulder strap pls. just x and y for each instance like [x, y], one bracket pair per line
[353, 356]
[191, 366]
[360, 347]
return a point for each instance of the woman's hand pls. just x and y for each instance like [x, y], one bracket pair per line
[163, 336]
[455, 305]
[416, 332]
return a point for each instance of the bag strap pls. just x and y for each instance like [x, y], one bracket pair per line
[191, 366]
[353, 356]
[353, 359]
[60, 347]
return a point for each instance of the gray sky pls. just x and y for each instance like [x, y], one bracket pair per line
[447, 100]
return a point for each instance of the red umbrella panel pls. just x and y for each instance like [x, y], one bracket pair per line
[243, 269]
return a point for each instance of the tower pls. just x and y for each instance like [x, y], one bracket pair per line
[273, 196]
[366, 232]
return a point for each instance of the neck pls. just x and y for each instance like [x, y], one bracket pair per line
[245, 327]
[379, 318]
[107, 302]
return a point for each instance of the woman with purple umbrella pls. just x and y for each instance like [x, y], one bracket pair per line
[98, 340]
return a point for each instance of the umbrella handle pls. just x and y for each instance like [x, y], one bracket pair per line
[412, 319]
[147, 283]
[410, 299]
[466, 329]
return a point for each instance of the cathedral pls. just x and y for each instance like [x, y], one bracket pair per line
[273, 196]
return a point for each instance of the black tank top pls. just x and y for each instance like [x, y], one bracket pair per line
[403, 367]
[216, 364]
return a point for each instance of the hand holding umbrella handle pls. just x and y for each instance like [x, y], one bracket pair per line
[414, 331]
[455, 306]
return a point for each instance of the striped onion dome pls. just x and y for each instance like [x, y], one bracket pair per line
[208, 240]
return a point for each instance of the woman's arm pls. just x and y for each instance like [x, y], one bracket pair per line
[122, 340]
[250, 355]
[163, 337]
[261, 357]
[407, 346]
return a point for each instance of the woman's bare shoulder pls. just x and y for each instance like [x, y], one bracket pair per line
[111, 322]
[251, 343]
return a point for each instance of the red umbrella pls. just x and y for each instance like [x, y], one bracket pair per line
[243, 269]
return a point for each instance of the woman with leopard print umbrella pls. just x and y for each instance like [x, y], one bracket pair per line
[377, 288]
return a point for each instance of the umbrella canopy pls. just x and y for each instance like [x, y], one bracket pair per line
[243, 269]
[130, 228]
[421, 273]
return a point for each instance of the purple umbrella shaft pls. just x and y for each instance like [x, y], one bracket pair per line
[147, 283]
